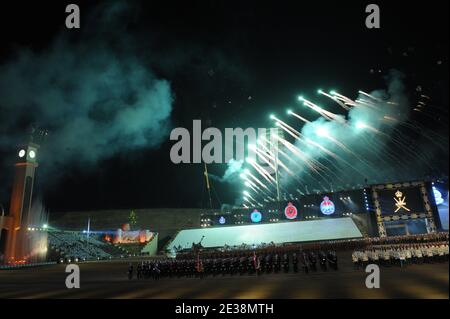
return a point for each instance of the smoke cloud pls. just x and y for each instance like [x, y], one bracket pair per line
[95, 97]
[231, 174]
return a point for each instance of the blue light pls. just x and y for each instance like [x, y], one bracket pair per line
[256, 216]
[222, 220]
[437, 196]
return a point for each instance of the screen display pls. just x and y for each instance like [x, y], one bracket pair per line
[406, 227]
[440, 195]
[256, 216]
[290, 211]
[338, 204]
[218, 219]
[401, 201]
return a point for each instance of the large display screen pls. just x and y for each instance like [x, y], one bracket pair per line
[401, 201]
[406, 227]
[326, 205]
[338, 204]
[307, 207]
[440, 195]
[218, 219]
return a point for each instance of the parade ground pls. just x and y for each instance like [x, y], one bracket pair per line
[109, 280]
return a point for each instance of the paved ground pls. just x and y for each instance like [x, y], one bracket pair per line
[108, 280]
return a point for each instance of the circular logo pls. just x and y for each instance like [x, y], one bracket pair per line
[327, 206]
[222, 220]
[256, 216]
[290, 211]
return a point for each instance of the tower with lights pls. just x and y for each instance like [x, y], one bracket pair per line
[17, 221]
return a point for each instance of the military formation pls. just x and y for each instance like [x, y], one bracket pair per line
[401, 254]
[235, 264]
[293, 257]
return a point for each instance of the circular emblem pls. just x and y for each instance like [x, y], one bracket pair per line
[222, 220]
[256, 216]
[290, 211]
[327, 206]
[437, 196]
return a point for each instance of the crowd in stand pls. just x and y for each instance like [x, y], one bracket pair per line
[76, 246]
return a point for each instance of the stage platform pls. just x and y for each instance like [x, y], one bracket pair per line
[303, 231]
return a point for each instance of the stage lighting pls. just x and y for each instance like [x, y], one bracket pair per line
[22, 153]
[246, 193]
[289, 112]
[249, 160]
[300, 98]
[32, 154]
[332, 92]
[272, 117]
[319, 91]
[45, 226]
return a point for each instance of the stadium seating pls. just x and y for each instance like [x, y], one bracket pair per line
[75, 245]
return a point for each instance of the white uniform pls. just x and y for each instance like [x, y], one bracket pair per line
[418, 253]
[365, 256]
[408, 254]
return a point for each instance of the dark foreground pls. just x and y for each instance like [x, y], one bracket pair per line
[109, 280]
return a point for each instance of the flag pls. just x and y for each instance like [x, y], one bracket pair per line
[256, 262]
[199, 265]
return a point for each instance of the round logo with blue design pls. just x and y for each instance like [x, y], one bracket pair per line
[327, 206]
[222, 220]
[256, 216]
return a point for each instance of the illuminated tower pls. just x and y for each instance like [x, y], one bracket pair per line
[20, 205]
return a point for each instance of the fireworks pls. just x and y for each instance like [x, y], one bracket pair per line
[354, 143]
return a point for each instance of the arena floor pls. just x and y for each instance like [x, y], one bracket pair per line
[109, 280]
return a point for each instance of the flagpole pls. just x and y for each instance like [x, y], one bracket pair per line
[88, 228]
[208, 186]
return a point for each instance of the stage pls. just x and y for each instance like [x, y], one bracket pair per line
[285, 232]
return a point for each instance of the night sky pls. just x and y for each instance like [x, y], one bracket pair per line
[228, 63]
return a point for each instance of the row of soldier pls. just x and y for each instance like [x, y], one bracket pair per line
[401, 254]
[334, 245]
[237, 265]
